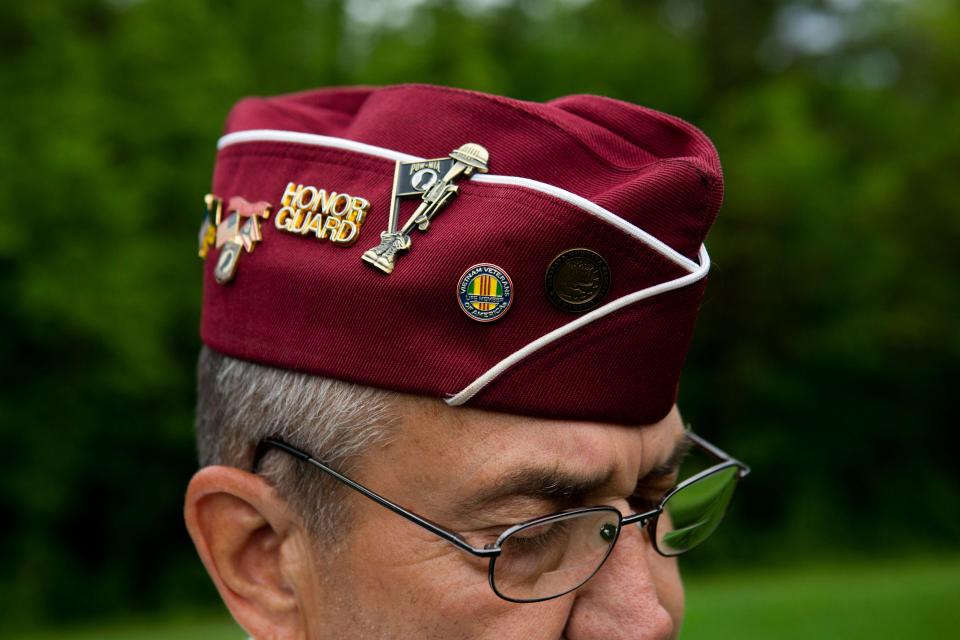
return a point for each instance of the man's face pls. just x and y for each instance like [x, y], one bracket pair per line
[388, 578]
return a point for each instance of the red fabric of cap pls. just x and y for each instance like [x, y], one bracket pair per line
[300, 303]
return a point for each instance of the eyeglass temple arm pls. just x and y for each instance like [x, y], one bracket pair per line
[717, 452]
[267, 443]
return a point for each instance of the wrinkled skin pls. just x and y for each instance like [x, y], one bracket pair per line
[388, 578]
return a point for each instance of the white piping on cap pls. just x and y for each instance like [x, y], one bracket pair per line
[316, 140]
[474, 387]
[604, 214]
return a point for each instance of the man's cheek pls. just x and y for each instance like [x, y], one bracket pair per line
[445, 592]
[464, 606]
[403, 562]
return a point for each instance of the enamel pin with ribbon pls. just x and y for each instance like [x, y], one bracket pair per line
[240, 230]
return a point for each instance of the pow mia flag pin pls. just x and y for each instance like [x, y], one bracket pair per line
[434, 181]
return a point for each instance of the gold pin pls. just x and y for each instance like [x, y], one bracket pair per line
[208, 228]
[326, 215]
[432, 180]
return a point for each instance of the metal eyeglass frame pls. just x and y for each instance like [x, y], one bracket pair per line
[492, 551]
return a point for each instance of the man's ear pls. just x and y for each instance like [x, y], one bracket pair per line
[243, 532]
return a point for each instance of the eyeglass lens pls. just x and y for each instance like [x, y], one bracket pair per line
[546, 559]
[694, 512]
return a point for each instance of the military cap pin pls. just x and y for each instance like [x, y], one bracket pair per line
[423, 178]
[208, 228]
[232, 236]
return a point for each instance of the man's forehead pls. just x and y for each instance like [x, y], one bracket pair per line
[493, 449]
[584, 447]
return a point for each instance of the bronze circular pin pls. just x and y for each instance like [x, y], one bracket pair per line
[577, 280]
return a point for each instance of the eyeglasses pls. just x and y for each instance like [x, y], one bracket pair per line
[552, 555]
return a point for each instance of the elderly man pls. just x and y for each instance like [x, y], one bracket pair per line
[462, 424]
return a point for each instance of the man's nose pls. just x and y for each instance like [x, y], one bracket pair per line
[632, 596]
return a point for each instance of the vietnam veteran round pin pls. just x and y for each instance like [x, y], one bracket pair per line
[485, 292]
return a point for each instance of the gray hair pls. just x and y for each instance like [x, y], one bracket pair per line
[239, 403]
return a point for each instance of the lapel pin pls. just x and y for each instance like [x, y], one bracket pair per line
[240, 230]
[432, 180]
[577, 280]
[485, 292]
[208, 228]
[327, 215]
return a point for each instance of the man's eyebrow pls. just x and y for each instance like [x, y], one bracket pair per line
[543, 483]
[672, 463]
[550, 483]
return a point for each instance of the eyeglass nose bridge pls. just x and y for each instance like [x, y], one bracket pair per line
[643, 519]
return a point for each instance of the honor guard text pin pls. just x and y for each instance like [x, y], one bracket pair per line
[233, 235]
[326, 215]
[432, 180]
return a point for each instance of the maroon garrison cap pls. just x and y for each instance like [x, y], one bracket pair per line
[543, 259]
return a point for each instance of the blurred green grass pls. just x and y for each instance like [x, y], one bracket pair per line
[886, 599]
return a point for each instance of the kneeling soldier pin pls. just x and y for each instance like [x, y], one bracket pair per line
[423, 178]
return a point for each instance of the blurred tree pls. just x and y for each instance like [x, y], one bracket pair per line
[827, 340]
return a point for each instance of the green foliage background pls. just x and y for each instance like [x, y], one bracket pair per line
[827, 351]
